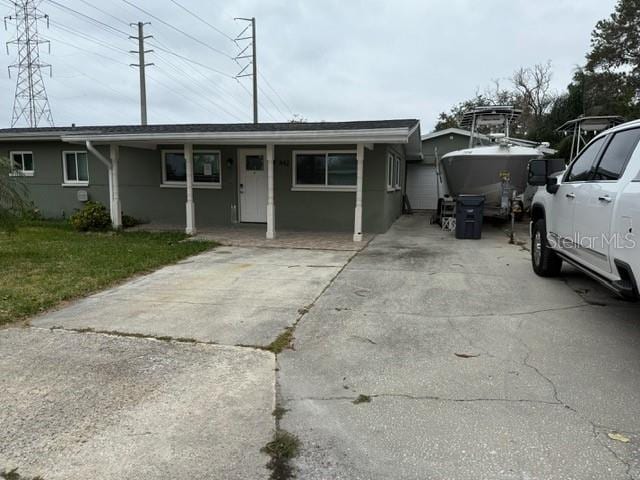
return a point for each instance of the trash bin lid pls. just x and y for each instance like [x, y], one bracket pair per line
[471, 200]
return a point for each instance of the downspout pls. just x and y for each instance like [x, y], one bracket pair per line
[109, 166]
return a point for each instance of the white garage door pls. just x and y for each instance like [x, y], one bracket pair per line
[421, 186]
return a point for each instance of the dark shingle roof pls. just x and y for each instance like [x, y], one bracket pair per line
[213, 128]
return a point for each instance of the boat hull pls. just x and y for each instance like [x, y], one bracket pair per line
[483, 174]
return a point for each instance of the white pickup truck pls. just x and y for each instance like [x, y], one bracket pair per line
[589, 214]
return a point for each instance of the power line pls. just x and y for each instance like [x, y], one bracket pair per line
[276, 92]
[188, 35]
[106, 45]
[223, 95]
[117, 19]
[171, 89]
[87, 51]
[88, 38]
[190, 60]
[88, 18]
[98, 81]
[264, 94]
[180, 80]
[262, 76]
[202, 20]
[259, 104]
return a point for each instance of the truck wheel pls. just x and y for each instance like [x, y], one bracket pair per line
[546, 262]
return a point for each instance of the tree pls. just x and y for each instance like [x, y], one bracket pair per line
[615, 42]
[534, 87]
[612, 73]
[12, 196]
[297, 118]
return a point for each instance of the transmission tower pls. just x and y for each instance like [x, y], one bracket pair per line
[31, 105]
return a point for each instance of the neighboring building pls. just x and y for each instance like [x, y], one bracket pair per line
[424, 186]
[340, 176]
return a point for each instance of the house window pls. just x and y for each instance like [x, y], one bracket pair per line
[396, 173]
[324, 170]
[22, 163]
[76, 168]
[390, 172]
[206, 168]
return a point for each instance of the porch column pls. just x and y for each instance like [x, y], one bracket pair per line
[191, 208]
[271, 209]
[357, 231]
[116, 208]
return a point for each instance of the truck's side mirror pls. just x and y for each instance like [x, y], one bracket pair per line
[538, 172]
[552, 185]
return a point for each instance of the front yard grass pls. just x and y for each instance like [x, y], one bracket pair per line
[45, 263]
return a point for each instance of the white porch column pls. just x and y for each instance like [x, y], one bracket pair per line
[116, 208]
[357, 230]
[112, 211]
[271, 209]
[191, 208]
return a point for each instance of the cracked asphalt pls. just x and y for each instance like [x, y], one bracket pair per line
[476, 368]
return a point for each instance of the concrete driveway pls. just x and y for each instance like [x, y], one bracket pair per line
[94, 406]
[419, 357]
[163, 377]
[472, 367]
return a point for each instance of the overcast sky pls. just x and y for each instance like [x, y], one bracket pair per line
[327, 60]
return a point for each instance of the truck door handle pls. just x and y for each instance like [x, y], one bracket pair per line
[570, 195]
[605, 198]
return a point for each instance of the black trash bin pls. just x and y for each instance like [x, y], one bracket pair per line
[469, 212]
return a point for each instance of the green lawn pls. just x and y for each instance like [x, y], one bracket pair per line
[45, 263]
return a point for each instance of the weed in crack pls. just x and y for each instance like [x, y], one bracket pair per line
[362, 399]
[279, 412]
[282, 449]
[14, 475]
[283, 341]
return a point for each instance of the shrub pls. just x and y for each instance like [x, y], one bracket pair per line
[93, 217]
[128, 221]
[30, 212]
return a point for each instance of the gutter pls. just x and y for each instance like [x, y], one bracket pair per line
[97, 154]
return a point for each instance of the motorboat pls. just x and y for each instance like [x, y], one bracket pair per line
[497, 171]
[583, 129]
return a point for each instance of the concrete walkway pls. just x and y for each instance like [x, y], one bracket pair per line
[230, 296]
[472, 367]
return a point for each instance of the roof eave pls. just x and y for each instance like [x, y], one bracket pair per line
[390, 135]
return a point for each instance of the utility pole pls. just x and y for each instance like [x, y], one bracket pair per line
[142, 65]
[31, 104]
[253, 60]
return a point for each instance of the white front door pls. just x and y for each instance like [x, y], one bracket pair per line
[252, 185]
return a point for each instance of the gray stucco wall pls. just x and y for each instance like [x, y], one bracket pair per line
[143, 197]
[393, 200]
[444, 144]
